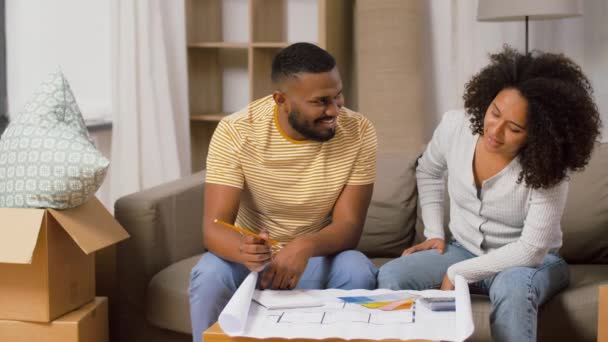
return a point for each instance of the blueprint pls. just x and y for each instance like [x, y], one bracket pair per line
[339, 319]
[336, 313]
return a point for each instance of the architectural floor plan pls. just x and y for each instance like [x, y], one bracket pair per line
[336, 318]
[333, 313]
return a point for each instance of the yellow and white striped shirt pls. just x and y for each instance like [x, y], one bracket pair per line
[290, 187]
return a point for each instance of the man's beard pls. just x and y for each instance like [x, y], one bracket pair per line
[307, 130]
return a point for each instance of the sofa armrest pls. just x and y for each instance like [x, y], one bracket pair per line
[165, 224]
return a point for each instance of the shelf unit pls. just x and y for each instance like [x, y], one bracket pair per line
[231, 44]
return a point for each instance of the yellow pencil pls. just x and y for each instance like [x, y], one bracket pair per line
[245, 231]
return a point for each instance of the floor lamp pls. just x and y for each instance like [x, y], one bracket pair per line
[510, 10]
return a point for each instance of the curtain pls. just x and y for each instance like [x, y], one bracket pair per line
[150, 133]
[459, 47]
[390, 70]
[3, 92]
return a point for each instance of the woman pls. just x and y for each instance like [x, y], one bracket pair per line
[529, 120]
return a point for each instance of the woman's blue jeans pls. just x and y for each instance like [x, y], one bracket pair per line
[516, 293]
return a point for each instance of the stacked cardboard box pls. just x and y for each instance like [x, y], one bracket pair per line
[87, 323]
[47, 272]
[602, 315]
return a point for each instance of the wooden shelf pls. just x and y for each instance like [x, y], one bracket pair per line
[208, 117]
[270, 44]
[218, 45]
[261, 60]
[268, 21]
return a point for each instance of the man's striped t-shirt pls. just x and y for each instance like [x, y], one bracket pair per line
[289, 187]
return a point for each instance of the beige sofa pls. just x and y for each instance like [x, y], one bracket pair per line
[165, 227]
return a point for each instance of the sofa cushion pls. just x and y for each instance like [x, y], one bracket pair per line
[389, 226]
[167, 301]
[585, 220]
[47, 158]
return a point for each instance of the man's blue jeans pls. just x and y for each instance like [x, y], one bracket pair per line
[214, 280]
[516, 293]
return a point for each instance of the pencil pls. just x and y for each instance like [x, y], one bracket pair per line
[245, 231]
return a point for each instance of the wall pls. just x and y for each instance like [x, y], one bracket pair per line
[73, 35]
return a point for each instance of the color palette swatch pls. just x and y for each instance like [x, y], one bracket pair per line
[384, 302]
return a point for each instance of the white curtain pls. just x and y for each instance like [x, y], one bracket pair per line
[150, 138]
[459, 47]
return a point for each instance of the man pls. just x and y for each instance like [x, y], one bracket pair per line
[295, 167]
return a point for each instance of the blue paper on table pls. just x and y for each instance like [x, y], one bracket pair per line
[371, 299]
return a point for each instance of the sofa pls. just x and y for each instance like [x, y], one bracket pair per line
[166, 241]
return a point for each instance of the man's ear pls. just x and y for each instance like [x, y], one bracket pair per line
[281, 100]
[279, 97]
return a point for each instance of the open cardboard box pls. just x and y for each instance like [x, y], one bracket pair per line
[88, 323]
[47, 265]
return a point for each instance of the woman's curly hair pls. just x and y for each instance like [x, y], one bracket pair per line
[563, 119]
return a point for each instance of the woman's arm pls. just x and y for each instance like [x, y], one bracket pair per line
[540, 233]
[430, 175]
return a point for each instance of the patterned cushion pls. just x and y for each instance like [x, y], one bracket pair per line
[47, 159]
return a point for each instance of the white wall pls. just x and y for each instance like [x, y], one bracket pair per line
[42, 35]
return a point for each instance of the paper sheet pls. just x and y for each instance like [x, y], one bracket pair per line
[285, 299]
[337, 319]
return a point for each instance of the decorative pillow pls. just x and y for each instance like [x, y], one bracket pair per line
[47, 158]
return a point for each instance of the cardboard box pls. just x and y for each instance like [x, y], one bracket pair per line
[46, 263]
[602, 317]
[87, 324]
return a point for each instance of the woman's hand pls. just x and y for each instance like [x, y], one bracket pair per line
[436, 243]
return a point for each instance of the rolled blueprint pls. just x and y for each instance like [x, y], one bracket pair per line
[234, 316]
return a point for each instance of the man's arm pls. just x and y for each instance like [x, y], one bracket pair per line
[341, 234]
[348, 218]
[222, 202]
[350, 209]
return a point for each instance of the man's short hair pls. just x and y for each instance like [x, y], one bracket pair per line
[300, 58]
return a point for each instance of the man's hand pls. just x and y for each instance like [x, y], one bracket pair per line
[436, 243]
[287, 266]
[446, 284]
[254, 252]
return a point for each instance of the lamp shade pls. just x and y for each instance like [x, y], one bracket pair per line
[506, 10]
